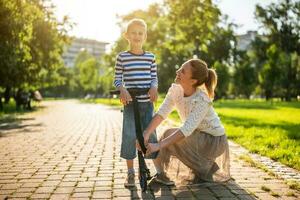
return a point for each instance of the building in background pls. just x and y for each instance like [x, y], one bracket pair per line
[244, 41]
[94, 47]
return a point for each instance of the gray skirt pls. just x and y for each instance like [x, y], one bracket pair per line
[205, 156]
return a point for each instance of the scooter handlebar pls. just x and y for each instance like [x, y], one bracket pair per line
[132, 91]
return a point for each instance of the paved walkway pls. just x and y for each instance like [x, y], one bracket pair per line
[70, 150]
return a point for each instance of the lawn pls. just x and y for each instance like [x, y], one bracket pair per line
[10, 113]
[270, 129]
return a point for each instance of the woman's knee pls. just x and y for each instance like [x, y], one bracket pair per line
[169, 132]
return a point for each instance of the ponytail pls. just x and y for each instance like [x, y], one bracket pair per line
[203, 74]
[211, 83]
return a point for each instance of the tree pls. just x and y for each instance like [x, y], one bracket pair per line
[176, 32]
[15, 33]
[31, 44]
[223, 80]
[244, 76]
[281, 22]
[270, 73]
[89, 74]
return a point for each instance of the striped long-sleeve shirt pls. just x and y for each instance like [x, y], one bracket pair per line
[136, 71]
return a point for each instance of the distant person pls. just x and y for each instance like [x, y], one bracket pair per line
[200, 143]
[36, 95]
[135, 68]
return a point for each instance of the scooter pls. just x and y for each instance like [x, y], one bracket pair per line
[144, 172]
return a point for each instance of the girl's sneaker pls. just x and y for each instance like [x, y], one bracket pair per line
[130, 182]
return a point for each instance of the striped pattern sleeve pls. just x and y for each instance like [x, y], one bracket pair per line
[154, 79]
[118, 80]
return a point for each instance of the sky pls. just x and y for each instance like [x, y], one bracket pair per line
[97, 19]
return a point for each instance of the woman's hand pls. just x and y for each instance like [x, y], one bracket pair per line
[152, 147]
[146, 139]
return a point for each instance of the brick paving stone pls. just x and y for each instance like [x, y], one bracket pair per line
[246, 197]
[83, 189]
[31, 180]
[25, 189]
[21, 195]
[11, 186]
[50, 183]
[86, 184]
[70, 150]
[82, 194]
[67, 184]
[222, 193]
[31, 185]
[103, 195]
[59, 197]
[201, 191]
[45, 190]
[103, 188]
[40, 196]
[6, 192]
[64, 190]
[55, 177]
[229, 198]
[121, 192]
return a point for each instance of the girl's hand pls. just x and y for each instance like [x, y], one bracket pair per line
[137, 145]
[125, 97]
[153, 94]
[152, 147]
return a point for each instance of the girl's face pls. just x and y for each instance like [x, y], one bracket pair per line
[184, 76]
[136, 36]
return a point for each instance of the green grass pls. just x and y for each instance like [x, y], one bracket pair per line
[271, 129]
[111, 102]
[293, 185]
[265, 188]
[9, 112]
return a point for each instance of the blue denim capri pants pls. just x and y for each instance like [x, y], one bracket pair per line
[128, 146]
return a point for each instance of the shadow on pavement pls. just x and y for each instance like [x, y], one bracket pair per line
[205, 190]
[15, 125]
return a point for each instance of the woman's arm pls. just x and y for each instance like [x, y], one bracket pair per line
[155, 122]
[171, 139]
[164, 110]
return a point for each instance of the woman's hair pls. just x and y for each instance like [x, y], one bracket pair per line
[136, 21]
[204, 75]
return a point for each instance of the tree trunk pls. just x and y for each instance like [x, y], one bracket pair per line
[1, 105]
[290, 78]
[7, 94]
[268, 95]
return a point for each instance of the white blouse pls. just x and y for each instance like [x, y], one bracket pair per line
[196, 111]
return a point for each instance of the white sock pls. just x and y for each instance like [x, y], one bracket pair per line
[131, 171]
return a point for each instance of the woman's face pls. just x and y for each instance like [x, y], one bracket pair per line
[184, 76]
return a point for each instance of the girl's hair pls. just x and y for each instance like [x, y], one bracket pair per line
[203, 75]
[136, 21]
